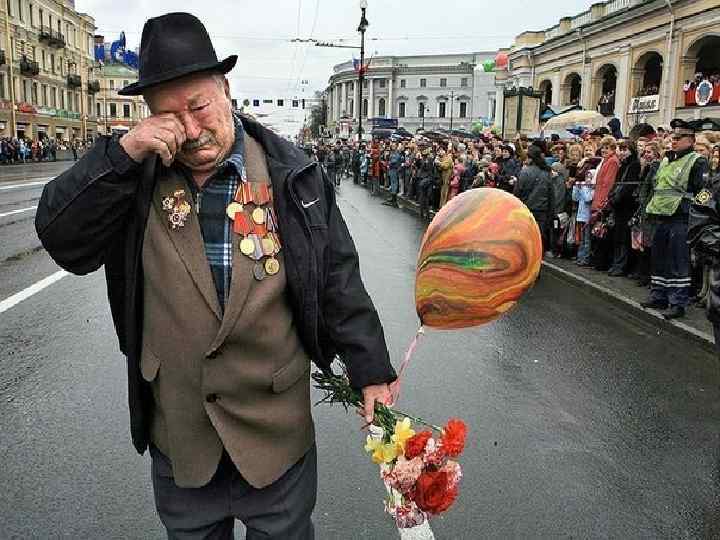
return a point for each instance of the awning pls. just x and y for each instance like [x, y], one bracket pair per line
[41, 129]
[59, 129]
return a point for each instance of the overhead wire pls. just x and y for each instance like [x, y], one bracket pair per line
[295, 48]
[305, 52]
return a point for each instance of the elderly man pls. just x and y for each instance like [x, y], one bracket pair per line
[229, 268]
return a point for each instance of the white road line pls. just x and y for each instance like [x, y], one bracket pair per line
[35, 288]
[18, 211]
[26, 184]
[421, 532]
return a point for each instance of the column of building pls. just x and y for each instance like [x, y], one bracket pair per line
[371, 97]
[389, 108]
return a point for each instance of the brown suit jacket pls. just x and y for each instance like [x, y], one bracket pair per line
[252, 397]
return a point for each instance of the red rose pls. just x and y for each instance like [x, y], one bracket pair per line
[453, 437]
[433, 493]
[415, 445]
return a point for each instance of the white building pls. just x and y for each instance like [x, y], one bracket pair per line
[433, 91]
[284, 114]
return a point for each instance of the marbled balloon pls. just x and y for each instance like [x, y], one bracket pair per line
[479, 255]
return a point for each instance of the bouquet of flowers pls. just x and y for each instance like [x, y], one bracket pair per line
[418, 469]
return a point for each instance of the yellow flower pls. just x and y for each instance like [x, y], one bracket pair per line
[403, 432]
[381, 452]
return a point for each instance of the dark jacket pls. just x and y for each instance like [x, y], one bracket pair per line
[704, 238]
[95, 214]
[508, 168]
[535, 188]
[621, 199]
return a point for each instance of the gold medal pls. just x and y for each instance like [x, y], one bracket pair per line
[258, 216]
[232, 209]
[272, 266]
[247, 246]
[268, 246]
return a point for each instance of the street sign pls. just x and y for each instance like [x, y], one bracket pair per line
[644, 104]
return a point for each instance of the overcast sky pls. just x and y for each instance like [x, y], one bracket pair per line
[259, 31]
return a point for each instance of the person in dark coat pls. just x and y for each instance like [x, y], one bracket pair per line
[218, 338]
[535, 189]
[622, 204]
[510, 169]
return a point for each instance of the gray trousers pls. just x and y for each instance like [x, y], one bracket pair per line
[281, 510]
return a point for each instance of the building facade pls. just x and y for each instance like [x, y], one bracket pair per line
[47, 80]
[430, 92]
[116, 113]
[637, 60]
[285, 113]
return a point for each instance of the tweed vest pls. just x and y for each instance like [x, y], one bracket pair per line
[238, 380]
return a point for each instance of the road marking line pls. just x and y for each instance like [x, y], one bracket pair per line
[27, 184]
[35, 288]
[18, 211]
[421, 532]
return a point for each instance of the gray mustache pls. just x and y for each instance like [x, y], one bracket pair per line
[203, 140]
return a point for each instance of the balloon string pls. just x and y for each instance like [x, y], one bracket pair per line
[395, 385]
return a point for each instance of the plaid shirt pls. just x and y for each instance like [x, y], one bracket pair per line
[212, 201]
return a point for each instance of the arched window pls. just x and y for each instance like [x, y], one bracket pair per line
[605, 89]
[571, 90]
[546, 88]
[701, 72]
[381, 107]
[421, 109]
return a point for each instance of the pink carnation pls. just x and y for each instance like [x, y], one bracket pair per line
[454, 472]
[434, 456]
[405, 473]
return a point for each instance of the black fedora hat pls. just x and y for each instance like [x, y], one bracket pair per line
[172, 46]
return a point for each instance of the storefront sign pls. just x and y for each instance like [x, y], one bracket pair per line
[644, 104]
[26, 108]
[4, 104]
[47, 111]
[704, 93]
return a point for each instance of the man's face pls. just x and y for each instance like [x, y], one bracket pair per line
[682, 142]
[202, 104]
[506, 153]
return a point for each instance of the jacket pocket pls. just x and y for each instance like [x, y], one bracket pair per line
[288, 375]
[149, 364]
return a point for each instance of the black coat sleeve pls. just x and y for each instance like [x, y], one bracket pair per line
[350, 316]
[82, 210]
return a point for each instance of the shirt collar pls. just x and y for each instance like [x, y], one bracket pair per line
[236, 158]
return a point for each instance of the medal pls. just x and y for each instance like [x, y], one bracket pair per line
[268, 246]
[233, 208]
[247, 246]
[177, 207]
[258, 216]
[259, 271]
[272, 266]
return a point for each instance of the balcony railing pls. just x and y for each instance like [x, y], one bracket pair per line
[29, 68]
[93, 87]
[52, 38]
[581, 20]
[74, 81]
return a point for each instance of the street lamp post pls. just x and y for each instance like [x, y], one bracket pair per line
[425, 108]
[361, 75]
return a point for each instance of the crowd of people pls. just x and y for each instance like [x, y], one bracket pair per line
[618, 204]
[15, 150]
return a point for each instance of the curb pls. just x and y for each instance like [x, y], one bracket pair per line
[676, 327]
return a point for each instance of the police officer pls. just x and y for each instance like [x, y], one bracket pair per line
[704, 237]
[679, 180]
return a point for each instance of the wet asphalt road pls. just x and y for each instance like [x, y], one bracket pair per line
[585, 423]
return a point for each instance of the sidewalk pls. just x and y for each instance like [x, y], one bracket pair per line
[621, 291]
